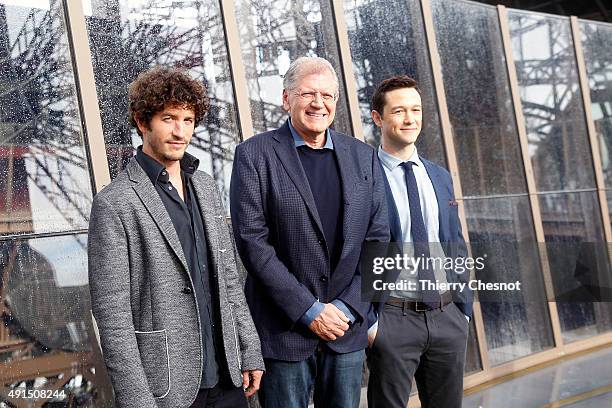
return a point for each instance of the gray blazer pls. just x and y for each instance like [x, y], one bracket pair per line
[143, 297]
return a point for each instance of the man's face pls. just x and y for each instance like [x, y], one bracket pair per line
[169, 134]
[311, 109]
[402, 117]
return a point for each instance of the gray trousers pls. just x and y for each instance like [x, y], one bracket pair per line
[429, 346]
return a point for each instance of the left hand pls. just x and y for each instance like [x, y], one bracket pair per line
[250, 381]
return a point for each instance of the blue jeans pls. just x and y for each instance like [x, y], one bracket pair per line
[336, 379]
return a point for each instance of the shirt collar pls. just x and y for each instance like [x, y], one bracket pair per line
[156, 171]
[391, 162]
[329, 143]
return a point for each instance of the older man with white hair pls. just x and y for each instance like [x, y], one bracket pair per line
[304, 198]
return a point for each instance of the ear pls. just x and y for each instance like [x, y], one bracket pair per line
[377, 118]
[286, 105]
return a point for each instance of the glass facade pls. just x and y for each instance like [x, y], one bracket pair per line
[492, 173]
[272, 34]
[378, 54]
[47, 336]
[560, 154]
[128, 37]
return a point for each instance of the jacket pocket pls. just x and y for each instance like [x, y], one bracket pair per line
[155, 356]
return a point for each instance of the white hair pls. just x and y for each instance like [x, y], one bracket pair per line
[304, 66]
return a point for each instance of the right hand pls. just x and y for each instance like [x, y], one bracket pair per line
[330, 324]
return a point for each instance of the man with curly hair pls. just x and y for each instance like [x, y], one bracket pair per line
[175, 328]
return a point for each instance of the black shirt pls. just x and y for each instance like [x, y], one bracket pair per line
[187, 220]
[323, 173]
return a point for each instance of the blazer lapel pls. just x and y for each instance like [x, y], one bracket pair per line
[205, 196]
[154, 205]
[288, 156]
[395, 225]
[349, 177]
[440, 187]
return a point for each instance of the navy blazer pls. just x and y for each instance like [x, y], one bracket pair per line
[450, 233]
[280, 239]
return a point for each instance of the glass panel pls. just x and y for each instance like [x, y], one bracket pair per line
[571, 227]
[516, 323]
[597, 48]
[387, 38]
[551, 101]
[47, 337]
[273, 33]
[478, 97]
[44, 177]
[129, 37]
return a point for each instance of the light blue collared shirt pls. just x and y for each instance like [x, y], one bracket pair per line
[317, 307]
[429, 207]
[329, 143]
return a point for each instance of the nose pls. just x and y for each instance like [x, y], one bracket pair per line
[318, 100]
[178, 128]
[409, 117]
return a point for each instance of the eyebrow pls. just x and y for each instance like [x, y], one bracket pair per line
[406, 106]
[174, 116]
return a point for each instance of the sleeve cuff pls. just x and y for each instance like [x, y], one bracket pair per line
[312, 313]
[344, 309]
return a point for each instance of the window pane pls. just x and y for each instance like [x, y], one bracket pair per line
[44, 176]
[47, 333]
[273, 33]
[573, 230]
[387, 38]
[478, 97]
[597, 48]
[516, 323]
[129, 37]
[551, 101]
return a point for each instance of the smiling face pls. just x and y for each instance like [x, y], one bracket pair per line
[168, 134]
[311, 114]
[401, 118]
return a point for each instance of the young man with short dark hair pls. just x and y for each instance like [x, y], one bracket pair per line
[419, 333]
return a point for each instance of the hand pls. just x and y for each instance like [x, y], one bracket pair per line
[372, 332]
[250, 381]
[330, 324]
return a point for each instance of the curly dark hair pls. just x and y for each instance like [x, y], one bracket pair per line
[388, 85]
[159, 88]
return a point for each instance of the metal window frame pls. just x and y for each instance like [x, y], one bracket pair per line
[91, 120]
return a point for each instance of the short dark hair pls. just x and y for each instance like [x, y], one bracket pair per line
[388, 85]
[159, 88]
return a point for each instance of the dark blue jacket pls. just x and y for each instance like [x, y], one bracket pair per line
[280, 239]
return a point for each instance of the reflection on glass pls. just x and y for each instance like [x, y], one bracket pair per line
[552, 103]
[273, 33]
[129, 37]
[501, 231]
[387, 38]
[597, 48]
[46, 339]
[478, 97]
[570, 222]
[44, 178]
